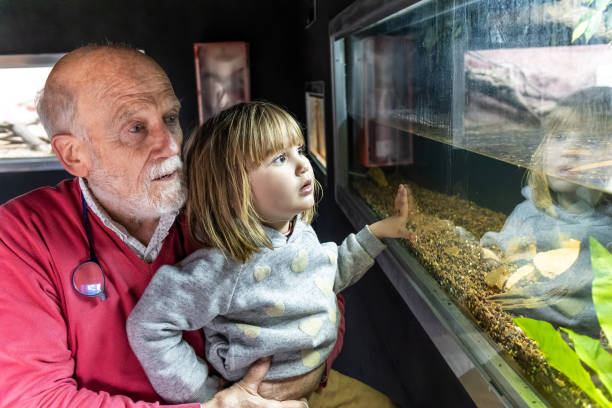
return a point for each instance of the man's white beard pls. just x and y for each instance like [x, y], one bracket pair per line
[143, 203]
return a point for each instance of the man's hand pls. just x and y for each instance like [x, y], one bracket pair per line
[395, 226]
[294, 387]
[244, 393]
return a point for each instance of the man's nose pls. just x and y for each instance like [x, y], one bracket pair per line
[166, 142]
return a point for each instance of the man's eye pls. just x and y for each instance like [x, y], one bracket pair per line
[136, 128]
[280, 159]
[171, 118]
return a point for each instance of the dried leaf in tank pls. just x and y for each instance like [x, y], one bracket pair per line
[554, 263]
[518, 275]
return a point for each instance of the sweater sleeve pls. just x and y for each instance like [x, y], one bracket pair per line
[355, 256]
[180, 298]
[518, 228]
[38, 368]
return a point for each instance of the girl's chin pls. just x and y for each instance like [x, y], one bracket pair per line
[560, 185]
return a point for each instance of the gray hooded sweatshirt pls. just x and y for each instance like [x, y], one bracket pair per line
[280, 303]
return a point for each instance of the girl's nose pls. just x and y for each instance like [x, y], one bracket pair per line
[303, 165]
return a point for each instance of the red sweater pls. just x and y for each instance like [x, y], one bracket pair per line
[59, 348]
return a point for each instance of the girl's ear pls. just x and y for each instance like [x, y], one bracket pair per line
[72, 153]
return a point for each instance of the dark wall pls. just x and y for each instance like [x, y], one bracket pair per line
[315, 55]
[166, 30]
[15, 184]
[384, 345]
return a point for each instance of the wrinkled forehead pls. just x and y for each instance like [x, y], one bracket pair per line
[123, 87]
[119, 78]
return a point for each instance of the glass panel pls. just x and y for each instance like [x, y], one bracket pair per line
[498, 115]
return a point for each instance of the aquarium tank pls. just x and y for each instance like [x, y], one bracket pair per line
[497, 114]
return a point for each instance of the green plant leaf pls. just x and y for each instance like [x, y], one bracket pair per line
[594, 23]
[608, 20]
[581, 27]
[458, 31]
[560, 356]
[601, 261]
[594, 355]
[431, 38]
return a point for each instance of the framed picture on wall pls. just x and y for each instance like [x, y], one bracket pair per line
[222, 76]
[24, 144]
[315, 123]
[311, 12]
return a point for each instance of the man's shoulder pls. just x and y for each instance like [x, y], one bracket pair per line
[50, 202]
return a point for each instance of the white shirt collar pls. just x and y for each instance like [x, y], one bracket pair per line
[148, 253]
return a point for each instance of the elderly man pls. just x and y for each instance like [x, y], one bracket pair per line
[75, 258]
[113, 118]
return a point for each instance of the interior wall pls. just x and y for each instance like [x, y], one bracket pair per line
[165, 30]
[384, 345]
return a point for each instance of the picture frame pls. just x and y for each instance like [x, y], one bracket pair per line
[222, 76]
[24, 144]
[315, 123]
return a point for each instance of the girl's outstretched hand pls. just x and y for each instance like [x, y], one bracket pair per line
[395, 226]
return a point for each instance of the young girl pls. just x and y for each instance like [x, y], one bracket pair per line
[262, 284]
[546, 238]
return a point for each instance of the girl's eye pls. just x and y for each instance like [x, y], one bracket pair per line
[280, 159]
[301, 150]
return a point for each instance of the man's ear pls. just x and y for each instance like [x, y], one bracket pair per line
[72, 153]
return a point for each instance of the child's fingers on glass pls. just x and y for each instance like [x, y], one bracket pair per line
[401, 202]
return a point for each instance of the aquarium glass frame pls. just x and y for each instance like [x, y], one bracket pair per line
[461, 343]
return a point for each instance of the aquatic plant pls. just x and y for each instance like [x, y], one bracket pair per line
[591, 21]
[586, 350]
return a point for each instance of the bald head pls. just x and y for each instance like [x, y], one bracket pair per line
[84, 75]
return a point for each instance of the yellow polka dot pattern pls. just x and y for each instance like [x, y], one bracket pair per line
[311, 326]
[311, 358]
[325, 286]
[249, 330]
[261, 272]
[300, 262]
[276, 310]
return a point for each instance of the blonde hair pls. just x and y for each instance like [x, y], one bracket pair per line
[586, 117]
[217, 157]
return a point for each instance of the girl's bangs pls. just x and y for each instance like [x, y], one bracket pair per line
[275, 132]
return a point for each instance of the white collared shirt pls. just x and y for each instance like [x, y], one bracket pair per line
[148, 253]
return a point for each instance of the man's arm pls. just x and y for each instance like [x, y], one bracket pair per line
[37, 365]
[38, 369]
[245, 394]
